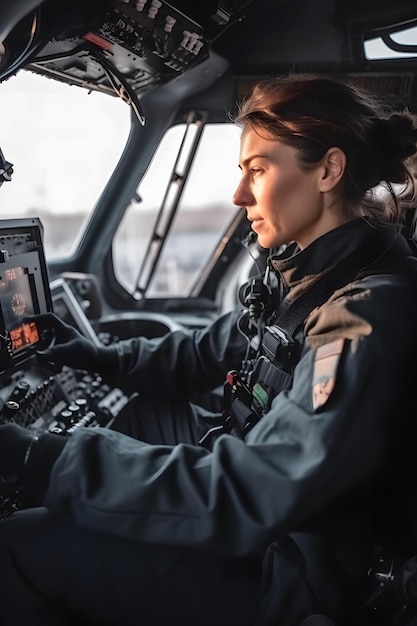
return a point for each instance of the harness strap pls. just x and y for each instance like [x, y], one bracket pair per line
[268, 377]
[245, 404]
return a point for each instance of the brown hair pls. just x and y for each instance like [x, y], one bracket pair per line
[313, 113]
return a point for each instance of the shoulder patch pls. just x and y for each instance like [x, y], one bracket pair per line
[325, 368]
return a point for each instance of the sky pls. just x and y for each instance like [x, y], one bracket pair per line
[65, 135]
[43, 133]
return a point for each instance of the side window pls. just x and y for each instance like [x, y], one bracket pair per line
[399, 43]
[64, 143]
[183, 207]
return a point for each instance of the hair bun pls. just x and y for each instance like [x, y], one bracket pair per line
[396, 135]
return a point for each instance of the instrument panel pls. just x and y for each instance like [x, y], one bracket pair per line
[38, 397]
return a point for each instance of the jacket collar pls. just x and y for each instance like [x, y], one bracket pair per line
[359, 236]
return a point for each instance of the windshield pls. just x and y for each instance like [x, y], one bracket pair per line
[168, 234]
[64, 143]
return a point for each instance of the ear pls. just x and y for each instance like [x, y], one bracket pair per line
[333, 168]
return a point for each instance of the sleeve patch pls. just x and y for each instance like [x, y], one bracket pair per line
[325, 367]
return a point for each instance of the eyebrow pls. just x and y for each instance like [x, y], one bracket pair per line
[254, 156]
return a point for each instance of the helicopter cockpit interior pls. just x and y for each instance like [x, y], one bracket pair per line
[176, 67]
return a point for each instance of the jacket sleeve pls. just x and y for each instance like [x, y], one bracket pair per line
[294, 461]
[181, 363]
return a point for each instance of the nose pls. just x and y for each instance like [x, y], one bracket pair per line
[242, 196]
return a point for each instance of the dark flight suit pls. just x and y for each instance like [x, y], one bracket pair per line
[173, 532]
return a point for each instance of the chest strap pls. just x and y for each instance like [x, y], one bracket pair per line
[245, 404]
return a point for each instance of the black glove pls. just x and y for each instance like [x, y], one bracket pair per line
[70, 347]
[15, 444]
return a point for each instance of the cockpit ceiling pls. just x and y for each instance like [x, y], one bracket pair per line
[132, 44]
[128, 47]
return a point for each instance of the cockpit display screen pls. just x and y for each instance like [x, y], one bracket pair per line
[16, 297]
[24, 290]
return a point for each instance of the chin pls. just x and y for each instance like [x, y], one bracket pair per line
[263, 241]
[266, 242]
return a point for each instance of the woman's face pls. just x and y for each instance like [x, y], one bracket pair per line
[283, 202]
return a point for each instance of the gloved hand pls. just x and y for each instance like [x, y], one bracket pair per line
[14, 444]
[70, 347]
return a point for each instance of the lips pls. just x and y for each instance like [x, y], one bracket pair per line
[255, 223]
